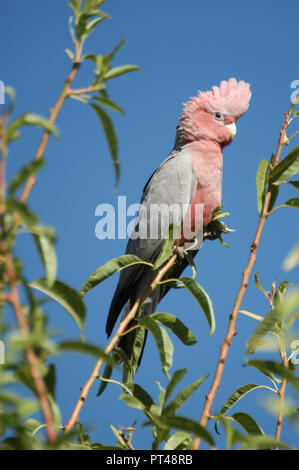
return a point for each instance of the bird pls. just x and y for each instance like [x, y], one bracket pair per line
[191, 175]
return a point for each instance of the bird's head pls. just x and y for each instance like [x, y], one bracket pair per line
[212, 114]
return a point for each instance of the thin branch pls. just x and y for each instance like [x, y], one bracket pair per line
[52, 119]
[14, 297]
[124, 437]
[82, 91]
[31, 356]
[113, 342]
[231, 331]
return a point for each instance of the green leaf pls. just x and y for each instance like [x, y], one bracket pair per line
[180, 440]
[93, 24]
[273, 197]
[280, 292]
[111, 267]
[202, 298]
[50, 380]
[88, 349]
[108, 57]
[32, 425]
[287, 168]
[107, 374]
[263, 369]
[262, 443]
[295, 184]
[261, 184]
[272, 322]
[70, 54]
[75, 5]
[293, 202]
[134, 348]
[163, 342]
[182, 397]
[166, 251]
[175, 379]
[236, 396]
[184, 424]
[139, 399]
[110, 136]
[92, 4]
[22, 176]
[47, 255]
[110, 104]
[277, 369]
[68, 297]
[233, 436]
[30, 119]
[28, 218]
[176, 326]
[248, 423]
[117, 71]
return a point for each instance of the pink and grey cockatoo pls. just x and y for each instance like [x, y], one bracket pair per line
[190, 175]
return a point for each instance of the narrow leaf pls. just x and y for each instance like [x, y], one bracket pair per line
[111, 267]
[117, 71]
[295, 184]
[202, 298]
[176, 326]
[140, 399]
[248, 423]
[261, 184]
[175, 379]
[182, 397]
[180, 440]
[48, 257]
[163, 342]
[68, 297]
[272, 322]
[110, 104]
[22, 210]
[22, 176]
[107, 374]
[277, 369]
[184, 424]
[30, 119]
[88, 349]
[110, 136]
[236, 396]
[293, 202]
[287, 168]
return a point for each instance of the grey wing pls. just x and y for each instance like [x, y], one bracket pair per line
[173, 183]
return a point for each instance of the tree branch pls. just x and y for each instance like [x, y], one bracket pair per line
[122, 326]
[237, 305]
[31, 356]
[52, 119]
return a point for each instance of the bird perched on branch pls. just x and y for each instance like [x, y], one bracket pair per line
[190, 176]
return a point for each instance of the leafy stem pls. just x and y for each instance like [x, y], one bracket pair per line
[231, 331]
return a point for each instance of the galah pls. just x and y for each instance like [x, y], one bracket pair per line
[190, 175]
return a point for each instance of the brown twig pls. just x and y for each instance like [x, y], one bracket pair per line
[231, 331]
[122, 326]
[52, 119]
[33, 361]
[124, 437]
[14, 297]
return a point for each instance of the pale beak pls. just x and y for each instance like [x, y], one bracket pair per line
[233, 128]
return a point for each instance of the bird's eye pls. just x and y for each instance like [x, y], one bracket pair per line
[218, 115]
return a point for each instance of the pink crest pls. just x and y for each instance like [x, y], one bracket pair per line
[230, 98]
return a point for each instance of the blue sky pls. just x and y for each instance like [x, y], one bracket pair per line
[180, 48]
